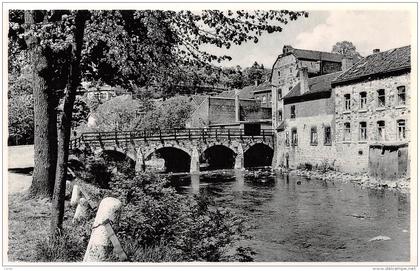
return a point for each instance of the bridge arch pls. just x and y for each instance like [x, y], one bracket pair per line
[117, 157]
[218, 156]
[177, 158]
[258, 154]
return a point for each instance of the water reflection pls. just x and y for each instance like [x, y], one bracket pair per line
[299, 219]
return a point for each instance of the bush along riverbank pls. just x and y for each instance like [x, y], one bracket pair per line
[363, 179]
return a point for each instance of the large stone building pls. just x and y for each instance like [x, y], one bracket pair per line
[356, 120]
[372, 102]
[285, 76]
[285, 73]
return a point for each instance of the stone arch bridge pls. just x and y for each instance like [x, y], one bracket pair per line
[184, 149]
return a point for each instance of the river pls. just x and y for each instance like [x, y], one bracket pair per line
[301, 220]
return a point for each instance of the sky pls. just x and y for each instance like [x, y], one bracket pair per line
[367, 30]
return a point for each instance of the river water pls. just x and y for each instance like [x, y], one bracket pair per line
[301, 220]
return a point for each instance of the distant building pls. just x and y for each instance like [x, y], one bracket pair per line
[214, 111]
[262, 93]
[372, 105]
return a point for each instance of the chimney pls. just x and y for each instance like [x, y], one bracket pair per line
[375, 51]
[346, 63]
[287, 48]
[303, 78]
[237, 108]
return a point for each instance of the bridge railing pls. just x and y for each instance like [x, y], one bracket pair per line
[167, 134]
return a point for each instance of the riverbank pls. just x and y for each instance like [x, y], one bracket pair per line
[364, 180]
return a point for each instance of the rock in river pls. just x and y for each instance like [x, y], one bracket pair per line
[380, 238]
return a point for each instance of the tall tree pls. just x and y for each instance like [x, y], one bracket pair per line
[45, 101]
[346, 48]
[75, 48]
[138, 48]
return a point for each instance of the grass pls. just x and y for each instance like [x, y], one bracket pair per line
[28, 222]
[29, 225]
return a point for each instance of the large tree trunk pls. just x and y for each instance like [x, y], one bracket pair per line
[57, 208]
[45, 117]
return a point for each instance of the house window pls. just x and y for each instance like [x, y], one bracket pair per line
[287, 138]
[347, 102]
[314, 136]
[401, 95]
[381, 97]
[327, 135]
[280, 115]
[294, 137]
[363, 99]
[401, 126]
[292, 112]
[347, 132]
[278, 73]
[362, 131]
[280, 94]
[380, 126]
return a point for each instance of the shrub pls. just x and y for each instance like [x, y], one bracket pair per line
[305, 166]
[154, 214]
[97, 172]
[326, 166]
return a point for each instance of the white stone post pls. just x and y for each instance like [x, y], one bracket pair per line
[75, 196]
[195, 161]
[99, 243]
[195, 183]
[82, 210]
[140, 165]
[239, 159]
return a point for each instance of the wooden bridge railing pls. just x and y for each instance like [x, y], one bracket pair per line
[167, 134]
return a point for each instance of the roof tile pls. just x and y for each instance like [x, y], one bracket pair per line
[379, 63]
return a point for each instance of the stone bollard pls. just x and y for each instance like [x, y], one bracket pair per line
[100, 243]
[69, 188]
[82, 210]
[75, 196]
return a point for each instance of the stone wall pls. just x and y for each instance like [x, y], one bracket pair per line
[330, 67]
[222, 110]
[305, 152]
[310, 108]
[353, 154]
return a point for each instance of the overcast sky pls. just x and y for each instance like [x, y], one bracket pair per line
[321, 30]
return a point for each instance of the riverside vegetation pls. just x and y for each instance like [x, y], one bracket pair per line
[156, 225]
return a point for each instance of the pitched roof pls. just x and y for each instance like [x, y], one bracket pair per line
[263, 87]
[314, 55]
[393, 60]
[244, 93]
[316, 84]
[198, 99]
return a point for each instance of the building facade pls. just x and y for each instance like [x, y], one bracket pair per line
[285, 76]
[307, 130]
[372, 107]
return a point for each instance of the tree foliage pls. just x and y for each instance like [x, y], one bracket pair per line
[117, 114]
[346, 48]
[171, 113]
[21, 119]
